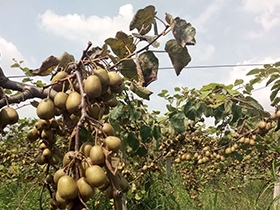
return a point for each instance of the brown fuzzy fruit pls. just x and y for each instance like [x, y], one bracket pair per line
[58, 76]
[97, 155]
[108, 129]
[8, 116]
[32, 135]
[115, 80]
[58, 174]
[47, 134]
[62, 202]
[85, 148]
[119, 89]
[85, 190]
[67, 187]
[73, 102]
[262, 124]
[42, 124]
[46, 109]
[92, 86]
[103, 76]
[60, 100]
[113, 143]
[67, 159]
[41, 160]
[95, 176]
[95, 111]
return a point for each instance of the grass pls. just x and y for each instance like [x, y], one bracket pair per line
[11, 193]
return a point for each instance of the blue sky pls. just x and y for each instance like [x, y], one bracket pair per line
[228, 32]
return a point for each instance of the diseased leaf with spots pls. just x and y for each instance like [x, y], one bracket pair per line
[143, 20]
[183, 32]
[47, 66]
[149, 67]
[179, 56]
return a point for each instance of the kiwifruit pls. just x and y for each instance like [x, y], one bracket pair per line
[268, 126]
[92, 86]
[67, 159]
[47, 153]
[47, 134]
[105, 185]
[95, 111]
[49, 179]
[113, 143]
[58, 76]
[67, 187]
[46, 109]
[109, 192]
[119, 89]
[108, 96]
[58, 174]
[60, 100]
[42, 146]
[8, 116]
[262, 124]
[32, 135]
[278, 114]
[54, 159]
[62, 202]
[115, 80]
[273, 116]
[41, 160]
[95, 176]
[58, 112]
[73, 102]
[85, 148]
[54, 203]
[113, 102]
[85, 190]
[97, 155]
[85, 163]
[228, 150]
[42, 124]
[108, 129]
[103, 76]
[53, 123]
[104, 89]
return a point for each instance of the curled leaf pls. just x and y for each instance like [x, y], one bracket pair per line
[179, 55]
[47, 66]
[122, 45]
[149, 39]
[64, 59]
[143, 20]
[140, 91]
[168, 18]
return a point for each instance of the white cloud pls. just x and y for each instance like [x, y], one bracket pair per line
[210, 13]
[267, 12]
[80, 28]
[262, 95]
[254, 35]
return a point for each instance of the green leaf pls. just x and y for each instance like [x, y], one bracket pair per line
[143, 20]
[156, 132]
[26, 80]
[142, 151]
[7, 91]
[15, 65]
[238, 156]
[149, 65]
[132, 141]
[271, 79]
[177, 120]
[273, 94]
[122, 45]
[254, 71]
[190, 111]
[277, 64]
[275, 101]
[146, 133]
[183, 32]
[177, 89]
[39, 83]
[140, 91]
[179, 55]
[228, 106]
[254, 102]
[117, 112]
[204, 94]
[238, 82]
[128, 69]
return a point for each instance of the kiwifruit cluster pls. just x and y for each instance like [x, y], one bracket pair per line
[8, 116]
[46, 131]
[91, 160]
